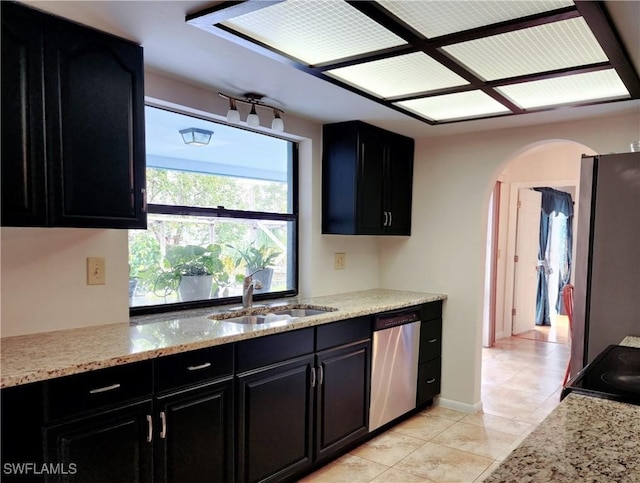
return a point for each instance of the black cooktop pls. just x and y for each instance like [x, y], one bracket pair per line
[614, 374]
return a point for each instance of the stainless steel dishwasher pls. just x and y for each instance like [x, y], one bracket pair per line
[394, 373]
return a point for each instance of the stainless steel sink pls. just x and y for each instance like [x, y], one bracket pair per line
[281, 314]
[301, 312]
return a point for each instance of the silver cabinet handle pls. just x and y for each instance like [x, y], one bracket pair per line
[313, 377]
[320, 375]
[201, 366]
[104, 389]
[163, 430]
[386, 218]
[390, 218]
[431, 341]
[149, 428]
[431, 381]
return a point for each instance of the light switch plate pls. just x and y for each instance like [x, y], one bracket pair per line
[339, 261]
[96, 271]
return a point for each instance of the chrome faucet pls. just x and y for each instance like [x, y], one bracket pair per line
[247, 288]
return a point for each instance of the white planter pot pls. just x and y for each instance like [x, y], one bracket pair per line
[264, 277]
[195, 287]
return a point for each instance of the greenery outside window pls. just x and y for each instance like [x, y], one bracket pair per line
[217, 212]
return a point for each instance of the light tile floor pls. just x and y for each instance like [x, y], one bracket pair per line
[521, 381]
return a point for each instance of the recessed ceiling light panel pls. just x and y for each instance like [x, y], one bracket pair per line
[557, 45]
[436, 18]
[601, 85]
[397, 76]
[461, 105]
[315, 31]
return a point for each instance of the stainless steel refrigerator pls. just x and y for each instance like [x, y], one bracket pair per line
[607, 265]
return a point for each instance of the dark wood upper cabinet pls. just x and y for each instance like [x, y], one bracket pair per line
[23, 171]
[72, 124]
[367, 177]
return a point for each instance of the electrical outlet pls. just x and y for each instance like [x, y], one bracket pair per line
[339, 261]
[96, 272]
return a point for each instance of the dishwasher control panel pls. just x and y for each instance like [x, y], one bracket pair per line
[392, 320]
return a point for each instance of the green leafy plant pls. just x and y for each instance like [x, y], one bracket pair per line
[255, 258]
[188, 260]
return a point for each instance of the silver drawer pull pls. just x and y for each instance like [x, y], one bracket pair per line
[104, 389]
[430, 381]
[201, 366]
[313, 377]
[149, 428]
[163, 430]
[320, 375]
[431, 341]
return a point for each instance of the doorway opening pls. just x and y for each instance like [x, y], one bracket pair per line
[533, 357]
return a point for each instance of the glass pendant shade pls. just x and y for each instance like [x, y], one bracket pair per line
[277, 124]
[252, 119]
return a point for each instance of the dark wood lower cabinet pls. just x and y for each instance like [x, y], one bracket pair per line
[194, 438]
[102, 448]
[342, 413]
[275, 421]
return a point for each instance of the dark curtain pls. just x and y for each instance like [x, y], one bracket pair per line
[558, 202]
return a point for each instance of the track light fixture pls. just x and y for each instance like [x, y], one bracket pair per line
[253, 99]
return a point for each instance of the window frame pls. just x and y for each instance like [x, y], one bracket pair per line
[222, 212]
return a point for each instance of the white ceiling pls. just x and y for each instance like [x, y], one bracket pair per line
[180, 50]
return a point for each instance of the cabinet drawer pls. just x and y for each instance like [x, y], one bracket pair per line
[432, 310]
[428, 381]
[343, 332]
[263, 351]
[193, 367]
[97, 389]
[430, 340]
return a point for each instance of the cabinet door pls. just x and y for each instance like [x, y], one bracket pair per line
[371, 217]
[194, 435]
[399, 179]
[275, 411]
[23, 163]
[107, 447]
[342, 412]
[94, 98]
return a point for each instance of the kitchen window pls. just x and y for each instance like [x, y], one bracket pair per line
[218, 210]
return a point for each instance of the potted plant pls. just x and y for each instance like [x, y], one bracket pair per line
[194, 271]
[259, 262]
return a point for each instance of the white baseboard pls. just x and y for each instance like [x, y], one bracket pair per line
[458, 406]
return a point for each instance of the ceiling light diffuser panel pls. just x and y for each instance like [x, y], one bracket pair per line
[397, 76]
[442, 17]
[441, 61]
[602, 85]
[552, 46]
[462, 105]
[315, 31]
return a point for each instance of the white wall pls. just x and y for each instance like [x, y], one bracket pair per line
[43, 279]
[452, 184]
[43, 272]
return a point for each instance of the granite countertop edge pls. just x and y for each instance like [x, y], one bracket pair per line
[38, 357]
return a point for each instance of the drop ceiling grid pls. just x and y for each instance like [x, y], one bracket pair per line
[562, 90]
[315, 31]
[568, 43]
[454, 106]
[436, 18]
[400, 75]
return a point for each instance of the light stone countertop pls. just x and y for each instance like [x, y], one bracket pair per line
[631, 341]
[584, 439]
[38, 357]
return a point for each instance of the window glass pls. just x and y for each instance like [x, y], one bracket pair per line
[217, 213]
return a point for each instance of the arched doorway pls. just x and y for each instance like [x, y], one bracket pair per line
[553, 164]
